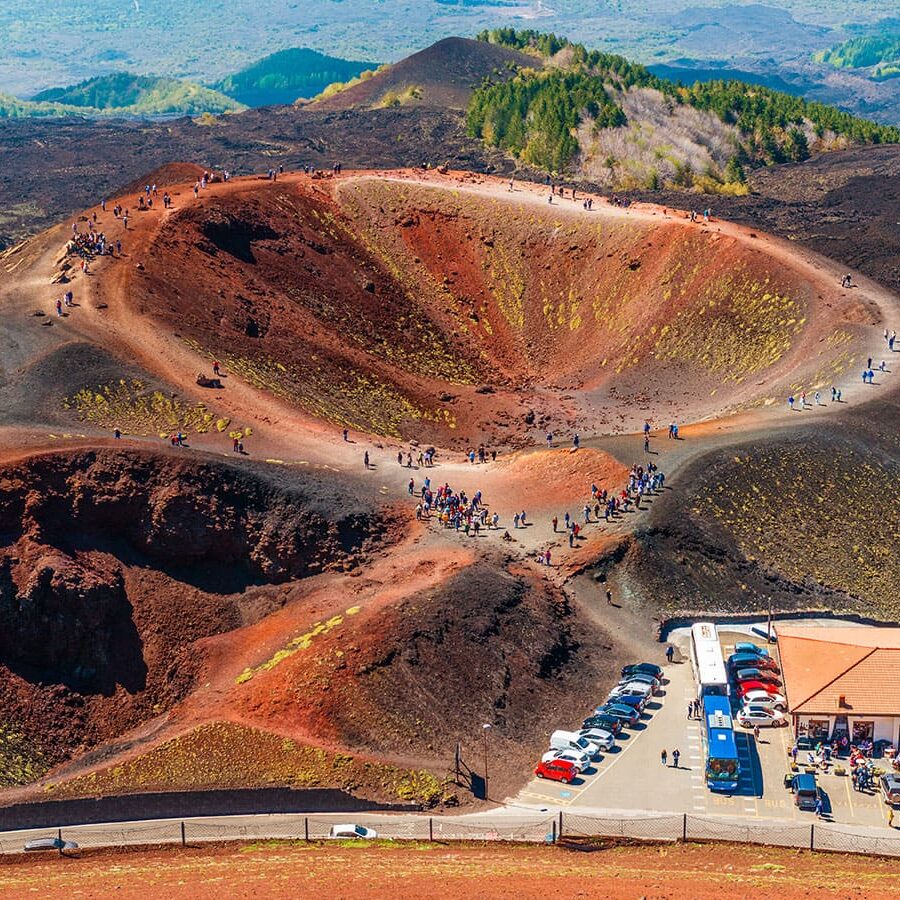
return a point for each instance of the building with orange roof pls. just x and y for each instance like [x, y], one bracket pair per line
[842, 681]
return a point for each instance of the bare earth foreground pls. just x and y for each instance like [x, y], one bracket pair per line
[276, 869]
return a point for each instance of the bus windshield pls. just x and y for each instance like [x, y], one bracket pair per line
[722, 769]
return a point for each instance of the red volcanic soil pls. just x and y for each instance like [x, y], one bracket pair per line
[676, 872]
[113, 566]
[455, 313]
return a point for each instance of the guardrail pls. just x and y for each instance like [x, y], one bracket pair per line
[524, 829]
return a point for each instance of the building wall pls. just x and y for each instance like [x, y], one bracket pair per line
[886, 728]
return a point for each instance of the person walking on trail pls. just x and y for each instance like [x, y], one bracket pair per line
[890, 817]
[756, 733]
[549, 440]
[346, 434]
[411, 487]
[646, 444]
[664, 757]
[820, 808]
[670, 653]
[516, 520]
[576, 441]
[366, 459]
[547, 557]
[608, 597]
[676, 755]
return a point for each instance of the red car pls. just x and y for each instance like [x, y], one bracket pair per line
[746, 686]
[745, 675]
[557, 770]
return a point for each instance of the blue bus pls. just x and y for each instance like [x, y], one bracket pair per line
[723, 768]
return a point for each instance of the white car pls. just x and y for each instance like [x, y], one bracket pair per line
[604, 739]
[764, 698]
[571, 740]
[642, 678]
[581, 761]
[353, 832]
[635, 688]
[751, 715]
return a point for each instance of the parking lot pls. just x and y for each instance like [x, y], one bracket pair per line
[632, 776]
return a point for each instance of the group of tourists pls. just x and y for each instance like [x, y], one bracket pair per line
[454, 509]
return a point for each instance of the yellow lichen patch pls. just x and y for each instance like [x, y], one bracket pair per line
[814, 514]
[21, 761]
[743, 326]
[295, 645]
[351, 399]
[225, 754]
[135, 409]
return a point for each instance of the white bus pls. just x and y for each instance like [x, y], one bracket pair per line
[706, 659]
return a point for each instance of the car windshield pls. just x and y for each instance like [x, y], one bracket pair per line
[581, 742]
[360, 830]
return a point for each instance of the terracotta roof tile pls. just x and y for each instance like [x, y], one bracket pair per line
[821, 664]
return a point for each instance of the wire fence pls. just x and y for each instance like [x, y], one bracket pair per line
[524, 828]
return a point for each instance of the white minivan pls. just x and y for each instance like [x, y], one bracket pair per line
[571, 740]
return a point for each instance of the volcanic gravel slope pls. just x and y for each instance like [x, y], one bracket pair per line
[412, 309]
[113, 565]
[172, 620]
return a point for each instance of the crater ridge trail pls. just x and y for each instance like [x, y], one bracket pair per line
[238, 588]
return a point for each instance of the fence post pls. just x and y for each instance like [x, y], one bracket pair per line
[59, 838]
[306, 828]
[553, 832]
[560, 823]
[183, 838]
[684, 828]
[812, 836]
[430, 829]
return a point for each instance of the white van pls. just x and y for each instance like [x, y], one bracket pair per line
[571, 740]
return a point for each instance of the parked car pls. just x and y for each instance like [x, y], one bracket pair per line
[764, 698]
[644, 668]
[604, 739]
[629, 698]
[748, 647]
[627, 714]
[751, 661]
[607, 723]
[580, 761]
[890, 788]
[557, 770]
[353, 831]
[745, 687]
[651, 681]
[756, 675]
[635, 687]
[760, 715]
[806, 791]
[53, 843]
[571, 740]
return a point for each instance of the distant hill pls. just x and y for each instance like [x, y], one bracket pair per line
[880, 54]
[443, 75]
[601, 116]
[121, 94]
[289, 75]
